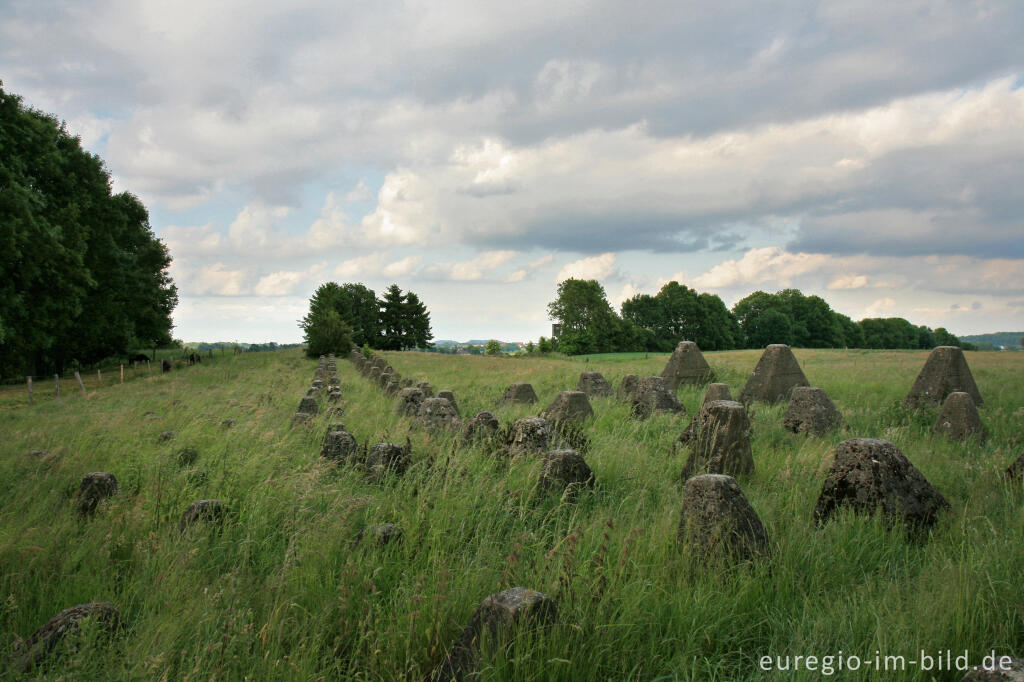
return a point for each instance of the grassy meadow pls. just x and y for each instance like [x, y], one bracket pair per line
[284, 591]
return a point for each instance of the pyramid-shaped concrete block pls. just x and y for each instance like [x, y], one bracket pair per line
[518, 393]
[652, 395]
[959, 419]
[565, 470]
[811, 411]
[627, 387]
[717, 523]
[595, 385]
[997, 669]
[944, 372]
[494, 621]
[870, 475]
[569, 406]
[714, 392]
[722, 443]
[775, 376]
[686, 366]
[1015, 471]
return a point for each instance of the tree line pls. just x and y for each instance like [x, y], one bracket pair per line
[82, 276]
[343, 315]
[658, 322]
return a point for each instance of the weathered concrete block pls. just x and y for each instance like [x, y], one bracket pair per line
[686, 366]
[774, 377]
[871, 474]
[717, 523]
[722, 445]
[519, 393]
[944, 372]
[811, 411]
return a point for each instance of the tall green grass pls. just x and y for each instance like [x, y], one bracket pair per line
[282, 590]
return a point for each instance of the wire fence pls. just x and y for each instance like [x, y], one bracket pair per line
[31, 390]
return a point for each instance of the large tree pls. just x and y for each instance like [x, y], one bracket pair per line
[82, 276]
[361, 313]
[716, 327]
[889, 332]
[589, 325]
[394, 325]
[814, 323]
[396, 321]
[678, 313]
[768, 326]
[418, 334]
[853, 336]
[943, 338]
[404, 321]
[327, 333]
[646, 314]
[811, 322]
[357, 306]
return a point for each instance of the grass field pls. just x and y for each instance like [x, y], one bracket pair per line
[284, 591]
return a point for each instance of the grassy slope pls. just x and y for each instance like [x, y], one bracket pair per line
[282, 592]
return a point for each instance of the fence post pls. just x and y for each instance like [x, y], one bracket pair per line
[29, 390]
[80, 384]
[148, 369]
[122, 372]
[99, 378]
[56, 378]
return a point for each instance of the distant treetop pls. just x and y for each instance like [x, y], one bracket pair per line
[341, 315]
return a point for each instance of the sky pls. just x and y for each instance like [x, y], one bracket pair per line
[478, 153]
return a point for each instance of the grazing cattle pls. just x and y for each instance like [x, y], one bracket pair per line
[191, 358]
[166, 365]
[138, 357]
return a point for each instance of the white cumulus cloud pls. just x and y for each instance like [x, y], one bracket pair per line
[219, 280]
[331, 228]
[254, 225]
[284, 282]
[882, 307]
[594, 267]
[360, 266]
[848, 282]
[474, 269]
[402, 267]
[769, 264]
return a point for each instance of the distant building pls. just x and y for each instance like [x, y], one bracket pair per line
[556, 331]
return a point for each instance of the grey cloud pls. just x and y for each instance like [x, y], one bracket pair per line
[489, 190]
[595, 234]
[872, 233]
[388, 84]
[685, 69]
[958, 199]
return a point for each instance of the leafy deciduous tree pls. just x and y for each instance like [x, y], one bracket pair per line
[589, 325]
[327, 333]
[82, 277]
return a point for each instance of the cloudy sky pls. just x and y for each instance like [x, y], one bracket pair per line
[477, 153]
